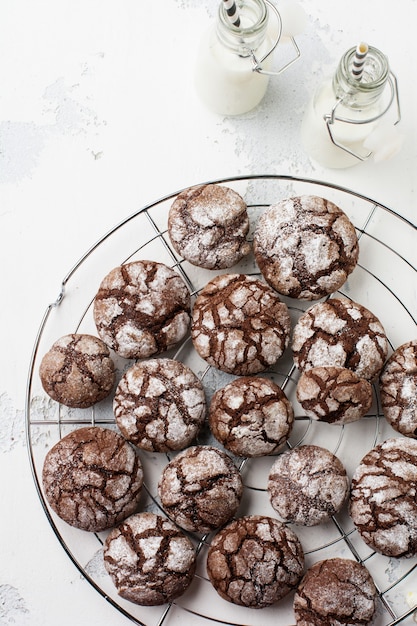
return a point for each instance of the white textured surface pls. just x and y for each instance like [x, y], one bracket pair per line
[98, 118]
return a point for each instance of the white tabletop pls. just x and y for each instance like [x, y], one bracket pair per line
[98, 118]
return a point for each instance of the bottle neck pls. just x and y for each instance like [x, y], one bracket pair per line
[369, 89]
[250, 34]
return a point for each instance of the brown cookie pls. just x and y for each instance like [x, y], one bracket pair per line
[251, 416]
[159, 405]
[92, 478]
[307, 485]
[77, 371]
[398, 387]
[239, 324]
[335, 395]
[335, 591]
[255, 561]
[208, 226]
[340, 332]
[383, 503]
[149, 560]
[142, 309]
[305, 247]
[200, 489]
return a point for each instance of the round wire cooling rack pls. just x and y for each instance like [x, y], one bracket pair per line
[384, 281]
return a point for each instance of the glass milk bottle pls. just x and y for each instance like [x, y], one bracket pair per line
[232, 70]
[346, 120]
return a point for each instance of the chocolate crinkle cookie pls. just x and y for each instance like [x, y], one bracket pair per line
[343, 333]
[335, 395]
[239, 324]
[142, 309]
[398, 388]
[251, 416]
[307, 485]
[150, 561]
[333, 592]
[208, 225]
[200, 489]
[77, 371]
[255, 561]
[383, 503]
[305, 247]
[92, 478]
[159, 405]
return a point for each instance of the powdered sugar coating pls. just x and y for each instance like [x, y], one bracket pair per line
[251, 416]
[335, 395]
[239, 324]
[159, 405]
[150, 561]
[200, 489]
[142, 309]
[307, 485]
[398, 387]
[334, 592]
[208, 225]
[343, 333]
[305, 247]
[255, 561]
[383, 503]
[92, 478]
[77, 371]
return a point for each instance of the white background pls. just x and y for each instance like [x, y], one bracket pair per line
[98, 117]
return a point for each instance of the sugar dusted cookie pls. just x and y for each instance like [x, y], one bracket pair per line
[200, 489]
[208, 225]
[239, 324]
[307, 485]
[305, 247]
[92, 478]
[335, 591]
[255, 561]
[77, 371]
[398, 387]
[383, 503]
[343, 333]
[159, 405]
[251, 416]
[150, 561]
[335, 395]
[142, 309]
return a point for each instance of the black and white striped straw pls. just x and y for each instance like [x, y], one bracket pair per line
[359, 60]
[232, 12]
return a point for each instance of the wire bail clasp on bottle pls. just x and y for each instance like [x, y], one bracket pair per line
[257, 63]
[332, 117]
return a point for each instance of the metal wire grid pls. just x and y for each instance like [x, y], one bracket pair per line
[44, 418]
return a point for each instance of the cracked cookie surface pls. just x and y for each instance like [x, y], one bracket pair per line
[383, 503]
[333, 592]
[208, 225]
[305, 247]
[92, 478]
[340, 332]
[77, 371]
[398, 387]
[142, 309]
[255, 561]
[239, 324]
[150, 561]
[200, 489]
[251, 416]
[307, 485]
[335, 395]
[159, 405]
